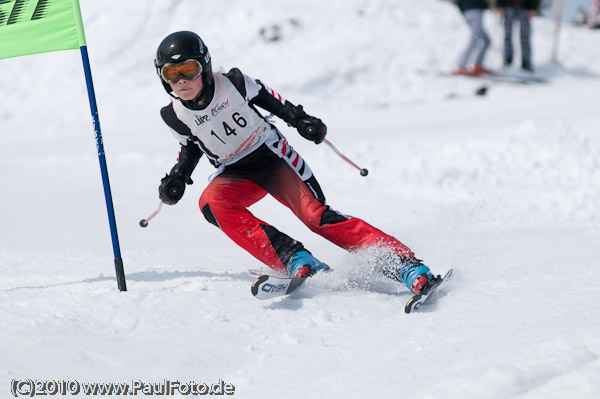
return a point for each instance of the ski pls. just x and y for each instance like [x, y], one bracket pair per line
[267, 287]
[418, 300]
[516, 79]
[524, 78]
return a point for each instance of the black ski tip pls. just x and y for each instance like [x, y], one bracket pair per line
[411, 301]
[257, 283]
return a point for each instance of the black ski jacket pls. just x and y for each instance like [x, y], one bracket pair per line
[465, 5]
[524, 4]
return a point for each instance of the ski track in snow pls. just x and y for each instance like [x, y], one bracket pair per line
[504, 188]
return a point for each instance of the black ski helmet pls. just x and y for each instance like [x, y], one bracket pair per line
[179, 47]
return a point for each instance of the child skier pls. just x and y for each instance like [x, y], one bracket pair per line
[216, 114]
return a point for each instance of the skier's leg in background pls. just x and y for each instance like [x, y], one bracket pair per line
[476, 23]
[525, 31]
[509, 18]
[463, 61]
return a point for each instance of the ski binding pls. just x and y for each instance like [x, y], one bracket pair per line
[418, 300]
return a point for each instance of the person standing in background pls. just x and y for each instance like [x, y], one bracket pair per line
[593, 15]
[473, 12]
[523, 11]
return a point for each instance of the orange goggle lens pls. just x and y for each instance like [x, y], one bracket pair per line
[189, 70]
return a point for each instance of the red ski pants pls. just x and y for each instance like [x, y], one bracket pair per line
[225, 204]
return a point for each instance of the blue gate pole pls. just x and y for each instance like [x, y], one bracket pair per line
[104, 170]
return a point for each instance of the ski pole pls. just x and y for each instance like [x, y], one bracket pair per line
[144, 222]
[363, 171]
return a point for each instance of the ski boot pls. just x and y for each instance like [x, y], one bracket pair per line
[411, 272]
[303, 264]
[479, 70]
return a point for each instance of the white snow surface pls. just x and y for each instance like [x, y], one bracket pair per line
[504, 187]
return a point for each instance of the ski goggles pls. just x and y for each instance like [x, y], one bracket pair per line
[188, 70]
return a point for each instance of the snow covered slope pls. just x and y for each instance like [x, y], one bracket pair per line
[504, 188]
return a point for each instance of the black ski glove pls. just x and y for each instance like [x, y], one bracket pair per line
[309, 127]
[171, 188]
[312, 129]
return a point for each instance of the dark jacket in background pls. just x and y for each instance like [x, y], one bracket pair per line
[465, 5]
[524, 4]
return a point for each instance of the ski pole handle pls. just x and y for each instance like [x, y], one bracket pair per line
[144, 222]
[363, 171]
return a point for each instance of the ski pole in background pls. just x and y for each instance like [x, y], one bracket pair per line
[363, 171]
[557, 24]
[144, 222]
